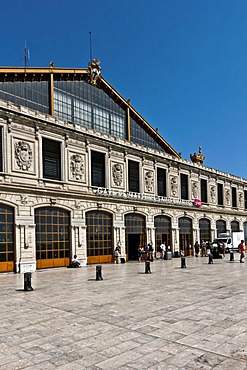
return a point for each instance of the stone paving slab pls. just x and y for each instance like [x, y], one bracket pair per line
[171, 319]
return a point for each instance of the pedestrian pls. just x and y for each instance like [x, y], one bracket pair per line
[203, 247]
[116, 255]
[223, 248]
[140, 253]
[197, 248]
[163, 250]
[241, 250]
[150, 251]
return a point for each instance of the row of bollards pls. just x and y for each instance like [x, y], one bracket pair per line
[28, 275]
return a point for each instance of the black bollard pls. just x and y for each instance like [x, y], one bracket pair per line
[231, 256]
[27, 282]
[99, 272]
[210, 258]
[183, 262]
[147, 267]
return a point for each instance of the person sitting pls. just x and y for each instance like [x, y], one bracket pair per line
[75, 262]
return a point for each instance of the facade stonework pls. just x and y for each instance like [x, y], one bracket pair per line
[69, 189]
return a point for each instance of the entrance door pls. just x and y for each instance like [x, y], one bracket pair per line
[185, 244]
[135, 234]
[7, 249]
[133, 244]
[185, 235]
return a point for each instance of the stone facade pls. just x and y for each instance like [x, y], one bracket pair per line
[24, 188]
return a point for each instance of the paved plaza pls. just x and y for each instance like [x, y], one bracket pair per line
[174, 318]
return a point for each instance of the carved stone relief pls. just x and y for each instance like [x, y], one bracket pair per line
[77, 167]
[213, 194]
[23, 155]
[227, 197]
[149, 181]
[117, 174]
[240, 200]
[194, 190]
[174, 186]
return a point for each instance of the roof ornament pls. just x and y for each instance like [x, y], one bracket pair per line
[94, 71]
[197, 158]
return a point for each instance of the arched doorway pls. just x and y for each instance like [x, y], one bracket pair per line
[135, 227]
[220, 227]
[7, 245]
[162, 226]
[235, 226]
[52, 237]
[185, 235]
[205, 230]
[99, 237]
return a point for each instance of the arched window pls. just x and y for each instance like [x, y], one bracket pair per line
[235, 226]
[221, 227]
[205, 229]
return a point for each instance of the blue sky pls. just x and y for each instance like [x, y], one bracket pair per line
[183, 63]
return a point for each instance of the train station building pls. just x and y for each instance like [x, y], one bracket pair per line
[81, 172]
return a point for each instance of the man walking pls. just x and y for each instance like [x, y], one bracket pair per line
[241, 249]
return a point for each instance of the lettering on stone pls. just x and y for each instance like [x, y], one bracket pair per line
[23, 155]
[143, 197]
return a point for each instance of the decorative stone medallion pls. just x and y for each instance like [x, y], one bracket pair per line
[23, 155]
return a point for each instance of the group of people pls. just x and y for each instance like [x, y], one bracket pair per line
[203, 249]
[146, 253]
